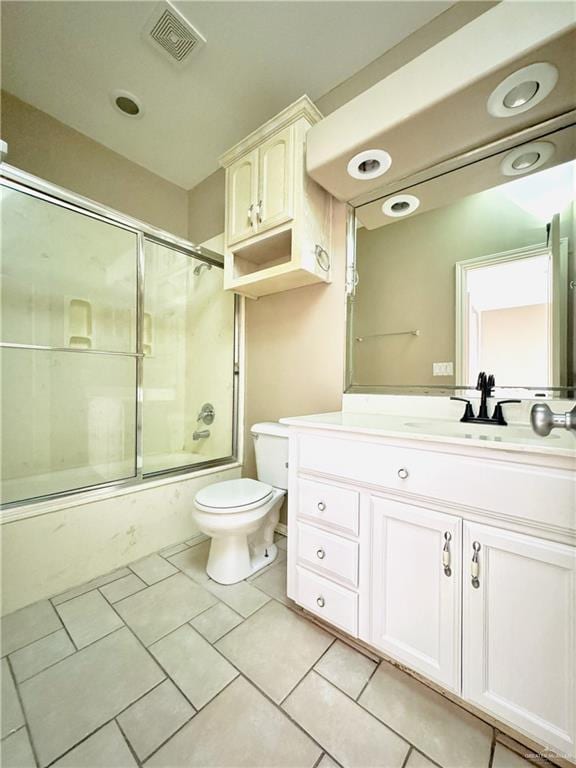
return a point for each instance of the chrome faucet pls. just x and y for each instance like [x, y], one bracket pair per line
[543, 419]
[200, 434]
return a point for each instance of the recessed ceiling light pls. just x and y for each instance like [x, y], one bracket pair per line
[369, 164]
[527, 158]
[400, 205]
[522, 90]
[126, 103]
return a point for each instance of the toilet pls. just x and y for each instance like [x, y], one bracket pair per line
[240, 516]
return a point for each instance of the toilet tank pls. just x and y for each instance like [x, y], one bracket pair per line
[271, 448]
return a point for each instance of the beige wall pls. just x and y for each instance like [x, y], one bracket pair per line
[206, 208]
[45, 147]
[295, 348]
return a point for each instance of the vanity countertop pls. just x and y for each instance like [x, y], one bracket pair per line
[514, 437]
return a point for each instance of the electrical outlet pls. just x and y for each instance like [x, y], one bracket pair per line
[442, 369]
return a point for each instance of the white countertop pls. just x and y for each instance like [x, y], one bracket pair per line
[514, 437]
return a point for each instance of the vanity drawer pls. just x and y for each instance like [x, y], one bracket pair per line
[328, 505]
[335, 604]
[334, 556]
[498, 486]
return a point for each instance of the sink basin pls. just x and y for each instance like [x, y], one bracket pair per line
[516, 433]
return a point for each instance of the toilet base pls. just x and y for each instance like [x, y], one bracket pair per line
[229, 560]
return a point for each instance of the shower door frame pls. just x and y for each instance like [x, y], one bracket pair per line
[21, 181]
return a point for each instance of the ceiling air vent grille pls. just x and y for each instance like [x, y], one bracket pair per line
[171, 33]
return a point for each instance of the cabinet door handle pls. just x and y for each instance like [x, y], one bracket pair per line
[475, 569]
[320, 602]
[321, 506]
[259, 212]
[446, 554]
[320, 554]
[403, 473]
[251, 215]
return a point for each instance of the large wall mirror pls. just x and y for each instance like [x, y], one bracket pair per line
[470, 271]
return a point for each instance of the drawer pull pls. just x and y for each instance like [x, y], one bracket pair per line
[320, 602]
[446, 554]
[403, 473]
[321, 506]
[475, 570]
[320, 554]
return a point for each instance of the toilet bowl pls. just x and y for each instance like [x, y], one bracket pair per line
[240, 516]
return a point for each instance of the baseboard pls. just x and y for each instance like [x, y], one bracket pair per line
[282, 528]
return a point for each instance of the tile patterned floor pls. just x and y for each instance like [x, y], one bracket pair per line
[157, 665]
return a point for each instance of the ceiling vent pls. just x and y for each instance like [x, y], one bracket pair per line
[172, 34]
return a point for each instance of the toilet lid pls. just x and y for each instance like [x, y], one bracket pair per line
[233, 493]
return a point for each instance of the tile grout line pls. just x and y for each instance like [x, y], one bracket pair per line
[366, 684]
[307, 672]
[102, 725]
[23, 710]
[79, 586]
[405, 762]
[16, 650]
[126, 739]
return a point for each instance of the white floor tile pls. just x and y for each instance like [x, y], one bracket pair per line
[104, 749]
[67, 702]
[197, 669]
[275, 648]
[161, 608]
[149, 722]
[88, 618]
[342, 727]
[240, 728]
[445, 732]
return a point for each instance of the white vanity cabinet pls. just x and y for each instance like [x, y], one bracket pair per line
[447, 560]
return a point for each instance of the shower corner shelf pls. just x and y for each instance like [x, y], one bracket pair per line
[278, 220]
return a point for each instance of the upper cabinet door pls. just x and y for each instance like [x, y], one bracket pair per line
[416, 569]
[275, 188]
[241, 193]
[519, 648]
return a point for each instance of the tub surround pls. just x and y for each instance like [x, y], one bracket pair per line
[53, 546]
[453, 555]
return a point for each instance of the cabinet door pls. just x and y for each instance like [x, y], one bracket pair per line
[275, 189]
[519, 649]
[416, 580]
[241, 197]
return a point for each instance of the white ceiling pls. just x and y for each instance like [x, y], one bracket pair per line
[66, 57]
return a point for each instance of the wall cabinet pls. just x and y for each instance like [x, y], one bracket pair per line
[479, 600]
[277, 219]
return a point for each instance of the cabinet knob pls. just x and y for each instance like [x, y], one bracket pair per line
[259, 212]
[320, 554]
[320, 602]
[321, 506]
[403, 473]
[251, 215]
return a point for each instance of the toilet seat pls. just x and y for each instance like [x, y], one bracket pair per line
[232, 496]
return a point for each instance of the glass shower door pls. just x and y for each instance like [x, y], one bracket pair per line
[69, 357]
[188, 344]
